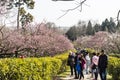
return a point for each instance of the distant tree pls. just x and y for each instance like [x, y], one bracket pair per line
[104, 25]
[97, 27]
[22, 15]
[109, 26]
[81, 28]
[89, 30]
[52, 26]
[72, 33]
[112, 26]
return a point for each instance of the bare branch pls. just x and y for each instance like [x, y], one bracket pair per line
[84, 3]
[79, 5]
[62, 0]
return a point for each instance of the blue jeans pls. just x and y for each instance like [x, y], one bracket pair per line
[103, 74]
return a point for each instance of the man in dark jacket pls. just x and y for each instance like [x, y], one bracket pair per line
[102, 65]
[71, 62]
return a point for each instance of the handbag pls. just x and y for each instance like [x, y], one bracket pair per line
[94, 66]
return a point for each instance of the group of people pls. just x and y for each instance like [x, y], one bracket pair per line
[95, 64]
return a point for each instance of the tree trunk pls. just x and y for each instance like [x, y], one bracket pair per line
[18, 15]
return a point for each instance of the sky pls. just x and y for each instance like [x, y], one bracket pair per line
[95, 10]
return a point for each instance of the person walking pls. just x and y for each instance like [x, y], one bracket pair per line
[78, 66]
[71, 62]
[87, 58]
[94, 65]
[102, 65]
[80, 61]
[83, 62]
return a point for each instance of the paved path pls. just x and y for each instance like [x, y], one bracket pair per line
[86, 77]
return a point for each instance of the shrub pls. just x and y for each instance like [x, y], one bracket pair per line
[29, 68]
[63, 58]
[114, 68]
[115, 55]
[45, 68]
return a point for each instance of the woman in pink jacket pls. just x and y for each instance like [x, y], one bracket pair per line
[94, 65]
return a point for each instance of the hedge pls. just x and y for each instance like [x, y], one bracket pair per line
[32, 68]
[45, 68]
[63, 58]
[114, 55]
[114, 68]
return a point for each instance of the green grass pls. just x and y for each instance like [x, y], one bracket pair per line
[109, 77]
[64, 74]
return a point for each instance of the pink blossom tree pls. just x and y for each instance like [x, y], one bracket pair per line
[36, 40]
[98, 41]
[114, 43]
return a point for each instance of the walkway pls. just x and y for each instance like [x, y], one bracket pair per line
[87, 77]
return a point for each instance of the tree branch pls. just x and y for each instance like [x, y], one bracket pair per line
[62, 0]
[79, 5]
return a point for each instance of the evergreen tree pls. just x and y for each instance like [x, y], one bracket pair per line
[72, 33]
[89, 30]
[97, 27]
[112, 26]
[109, 26]
[83, 30]
[105, 24]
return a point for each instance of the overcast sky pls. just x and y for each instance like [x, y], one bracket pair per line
[97, 10]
